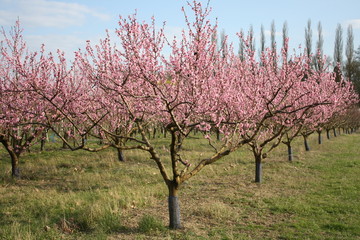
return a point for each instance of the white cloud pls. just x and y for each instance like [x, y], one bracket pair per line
[45, 13]
[354, 22]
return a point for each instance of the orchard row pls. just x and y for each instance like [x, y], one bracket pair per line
[116, 93]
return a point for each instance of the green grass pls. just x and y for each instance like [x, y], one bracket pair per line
[81, 195]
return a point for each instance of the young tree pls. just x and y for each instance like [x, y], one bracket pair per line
[194, 88]
[284, 100]
[21, 113]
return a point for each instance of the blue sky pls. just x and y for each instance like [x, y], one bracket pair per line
[66, 24]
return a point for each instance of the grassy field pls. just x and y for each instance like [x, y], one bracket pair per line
[81, 195]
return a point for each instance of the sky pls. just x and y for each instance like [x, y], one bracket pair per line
[67, 25]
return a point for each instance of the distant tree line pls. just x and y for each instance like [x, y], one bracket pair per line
[348, 68]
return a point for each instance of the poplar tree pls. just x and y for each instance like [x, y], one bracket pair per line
[338, 51]
[285, 36]
[308, 38]
[349, 52]
[318, 62]
[262, 39]
[273, 41]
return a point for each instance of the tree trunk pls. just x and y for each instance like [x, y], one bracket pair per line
[42, 145]
[121, 156]
[15, 170]
[327, 133]
[120, 142]
[290, 151]
[14, 156]
[307, 148]
[154, 133]
[335, 134]
[66, 137]
[218, 134]
[174, 207]
[44, 137]
[319, 137]
[258, 168]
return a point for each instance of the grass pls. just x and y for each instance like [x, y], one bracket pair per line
[81, 195]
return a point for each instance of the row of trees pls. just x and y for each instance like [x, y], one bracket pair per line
[116, 93]
[350, 67]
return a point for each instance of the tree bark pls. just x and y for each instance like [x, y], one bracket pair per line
[154, 133]
[121, 156]
[15, 170]
[307, 147]
[66, 137]
[319, 137]
[120, 142]
[328, 133]
[43, 141]
[218, 134]
[290, 152]
[174, 207]
[335, 133]
[258, 168]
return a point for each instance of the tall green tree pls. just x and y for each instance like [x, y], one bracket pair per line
[262, 39]
[318, 62]
[349, 52]
[241, 52]
[308, 38]
[356, 71]
[223, 44]
[273, 41]
[285, 36]
[252, 38]
[338, 52]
